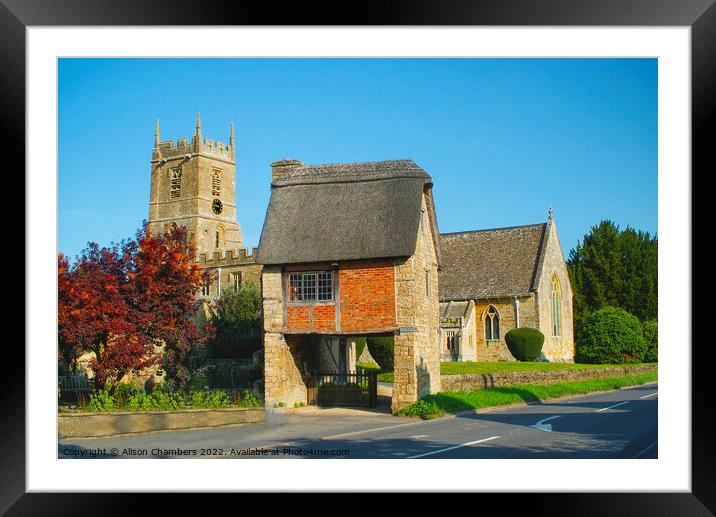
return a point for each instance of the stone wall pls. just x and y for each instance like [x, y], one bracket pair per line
[417, 347]
[473, 382]
[109, 424]
[494, 350]
[287, 359]
[226, 267]
[488, 351]
[276, 353]
[467, 328]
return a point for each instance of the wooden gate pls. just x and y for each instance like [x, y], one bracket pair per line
[344, 389]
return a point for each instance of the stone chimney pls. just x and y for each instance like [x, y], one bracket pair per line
[281, 168]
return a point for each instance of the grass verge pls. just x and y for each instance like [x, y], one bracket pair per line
[382, 377]
[434, 406]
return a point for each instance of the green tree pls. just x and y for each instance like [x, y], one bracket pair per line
[237, 319]
[614, 268]
[651, 336]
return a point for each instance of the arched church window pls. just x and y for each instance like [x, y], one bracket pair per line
[492, 324]
[555, 298]
[220, 237]
[216, 182]
[175, 183]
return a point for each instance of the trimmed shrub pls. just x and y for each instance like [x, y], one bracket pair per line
[611, 336]
[381, 348]
[525, 343]
[650, 330]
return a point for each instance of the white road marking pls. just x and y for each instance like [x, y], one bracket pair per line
[370, 430]
[452, 448]
[419, 436]
[649, 395]
[545, 427]
[644, 450]
[615, 405]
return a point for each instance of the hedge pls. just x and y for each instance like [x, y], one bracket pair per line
[611, 336]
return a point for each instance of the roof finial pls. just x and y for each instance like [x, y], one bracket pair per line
[551, 213]
[231, 141]
[156, 135]
[197, 134]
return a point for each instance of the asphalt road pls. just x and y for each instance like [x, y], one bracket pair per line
[615, 424]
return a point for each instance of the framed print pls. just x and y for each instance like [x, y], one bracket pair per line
[381, 196]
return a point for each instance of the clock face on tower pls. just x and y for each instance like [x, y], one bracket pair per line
[217, 206]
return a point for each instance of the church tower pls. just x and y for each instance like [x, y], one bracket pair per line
[193, 185]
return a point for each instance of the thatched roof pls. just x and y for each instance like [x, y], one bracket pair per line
[496, 263]
[345, 212]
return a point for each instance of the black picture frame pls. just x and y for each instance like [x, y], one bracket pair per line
[699, 15]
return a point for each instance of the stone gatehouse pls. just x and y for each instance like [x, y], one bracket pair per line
[349, 250]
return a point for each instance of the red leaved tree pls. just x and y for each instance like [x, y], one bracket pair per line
[93, 316]
[121, 302]
[164, 280]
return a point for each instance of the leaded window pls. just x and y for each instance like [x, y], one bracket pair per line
[555, 298]
[325, 286]
[236, 279]
[310, 286]
[453, 343]
[492, 324]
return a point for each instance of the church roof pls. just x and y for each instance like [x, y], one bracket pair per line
[495, 263]
[455, 309]
[345, 211]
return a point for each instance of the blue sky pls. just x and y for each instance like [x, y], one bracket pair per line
[503, 139]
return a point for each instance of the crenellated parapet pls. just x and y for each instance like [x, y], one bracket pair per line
[184, 148]
[170, 149]
[228, 258]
